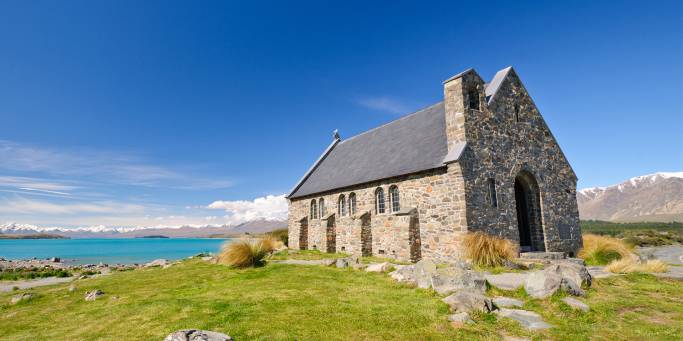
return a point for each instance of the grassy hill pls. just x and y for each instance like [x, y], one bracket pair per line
[289, 302]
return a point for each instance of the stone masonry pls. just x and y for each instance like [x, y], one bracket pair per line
[511, 179]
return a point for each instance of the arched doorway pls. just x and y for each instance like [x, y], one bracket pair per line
[528, 202]
[366, 235]
[303, 234]
[331, 235]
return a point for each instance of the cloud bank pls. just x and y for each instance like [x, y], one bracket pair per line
[270, 207]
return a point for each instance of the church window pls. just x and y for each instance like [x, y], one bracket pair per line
[379, 201]
[393, 195]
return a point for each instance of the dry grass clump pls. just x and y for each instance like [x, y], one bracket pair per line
[601, 250]
[630, 264]
[487, 250]
[246, 253]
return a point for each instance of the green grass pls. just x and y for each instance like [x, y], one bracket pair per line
[288, 302]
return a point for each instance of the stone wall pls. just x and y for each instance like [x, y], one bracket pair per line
[431, 231]
[504, 140]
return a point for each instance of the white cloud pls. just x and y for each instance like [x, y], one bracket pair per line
[102, 166]
[269, 207]
[384, 103]
[29, 206]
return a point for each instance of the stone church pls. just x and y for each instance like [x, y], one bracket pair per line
[483, 159]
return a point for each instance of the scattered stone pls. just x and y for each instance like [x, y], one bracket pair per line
[465, 301]
[571, 288]
[156, 262]
[452, 279]
[72, 288]
[379, 267]
[93, 295]
[404, 273]
[542, 284]
[576, 304]
[527, 319]
[599, 272]
[21, 297]
[508, 280]
[55, 260]
[572, 271]
[207, 258]
[197, 335]
[460, 318]
[329, 261]
[342, 262]
[424, 270]
[506, 302]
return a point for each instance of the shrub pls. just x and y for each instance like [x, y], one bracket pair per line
[281, 235]
[600, 250]
[487, 250]
[246, 253]
[630, 264]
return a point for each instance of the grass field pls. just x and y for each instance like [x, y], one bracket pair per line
[287, 302]
[637, 234]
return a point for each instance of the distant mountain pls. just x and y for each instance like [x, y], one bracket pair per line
[655, 197]
[255, 226]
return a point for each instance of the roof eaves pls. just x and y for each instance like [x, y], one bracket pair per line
[315, 165]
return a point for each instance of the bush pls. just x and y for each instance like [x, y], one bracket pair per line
[601, 250]
[246, 253]
[630, 264]
[281, 235]
[487, 250]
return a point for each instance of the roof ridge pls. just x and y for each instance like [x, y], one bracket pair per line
[392, 121]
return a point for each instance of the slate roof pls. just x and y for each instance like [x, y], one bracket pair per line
[410, 144]
[413, 143]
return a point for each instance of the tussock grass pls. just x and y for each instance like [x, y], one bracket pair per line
[247, 253]
[601, 250]
[487, 250]
[629, 265]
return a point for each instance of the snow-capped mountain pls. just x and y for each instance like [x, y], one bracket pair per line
[254, 226]
[653, 197]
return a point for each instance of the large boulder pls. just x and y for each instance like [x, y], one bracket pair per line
[197, 335]
[342, 262]
[507, 280]
[156, 262]
[425, 269]
[571, 271]
[452, 279]
[506, 302]
[404, 273]
[542, 284]
[467, 301]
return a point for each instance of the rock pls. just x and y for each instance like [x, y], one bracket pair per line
[404, 273]
[55, 260]
[424, 270]
[506, 302]
[329, 261]
[93, 295]
[72, 288]
[21, 297]
[572, 271]
[542, 284]
[379, 267]
[197, 335]
[342, 262]
[156, 262]
[460, 318]
[568, 286]
[508, 280]
[464, 301]
[207, 258]
[527, 319]
[452, 279]
[576, 304]
[599, 272]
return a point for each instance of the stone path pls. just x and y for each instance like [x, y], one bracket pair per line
[32, 283]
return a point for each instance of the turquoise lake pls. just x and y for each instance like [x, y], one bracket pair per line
[109, 251]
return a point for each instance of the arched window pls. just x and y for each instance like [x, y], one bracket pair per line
[321, 203]
[394, 197]
[473, 98]
[314, 209]
[379, 201]
[352, 203]
[342, 205]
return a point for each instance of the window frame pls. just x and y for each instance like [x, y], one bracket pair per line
[352, 203]
[321, 207]
[394, 203]
[492, 192]
[380, 191]
[314, 209]
[341, 205]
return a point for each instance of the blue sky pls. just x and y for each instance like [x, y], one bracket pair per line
[167, 112]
